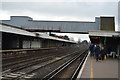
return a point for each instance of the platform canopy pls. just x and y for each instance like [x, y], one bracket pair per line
[19, 31]
[104, 33]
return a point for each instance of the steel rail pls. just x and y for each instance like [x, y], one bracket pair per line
[74, 76]
[42, 65]
[62, 67]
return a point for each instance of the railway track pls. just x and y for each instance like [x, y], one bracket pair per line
[18, 63]
[29, 55]
[14, 66]
[29, 68]
[11, 72]
[23, 53]
[68, 70]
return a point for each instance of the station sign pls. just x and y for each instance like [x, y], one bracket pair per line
[95, 37]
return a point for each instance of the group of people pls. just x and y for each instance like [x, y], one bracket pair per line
[97, 52]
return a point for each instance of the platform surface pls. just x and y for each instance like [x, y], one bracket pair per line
[102, 69]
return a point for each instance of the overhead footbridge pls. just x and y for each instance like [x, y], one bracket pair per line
[25, 22]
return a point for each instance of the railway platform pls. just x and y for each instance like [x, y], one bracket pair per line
[101, 70]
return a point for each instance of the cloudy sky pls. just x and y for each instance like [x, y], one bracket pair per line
[60, 10]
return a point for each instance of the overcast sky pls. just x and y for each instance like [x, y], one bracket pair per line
[60, 10]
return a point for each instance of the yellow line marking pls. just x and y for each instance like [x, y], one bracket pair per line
[91, 70]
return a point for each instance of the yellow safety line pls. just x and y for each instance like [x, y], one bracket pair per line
[91, 70]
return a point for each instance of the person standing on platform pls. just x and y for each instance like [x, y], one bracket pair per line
[91, 50]
[97, 52]
[102, 52]
[94, 50]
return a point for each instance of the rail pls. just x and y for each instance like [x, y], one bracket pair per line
[30, 71]
[51, 75]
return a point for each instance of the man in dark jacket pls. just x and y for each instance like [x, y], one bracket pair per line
[102, 52]
[91, 50]
[97, 52]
